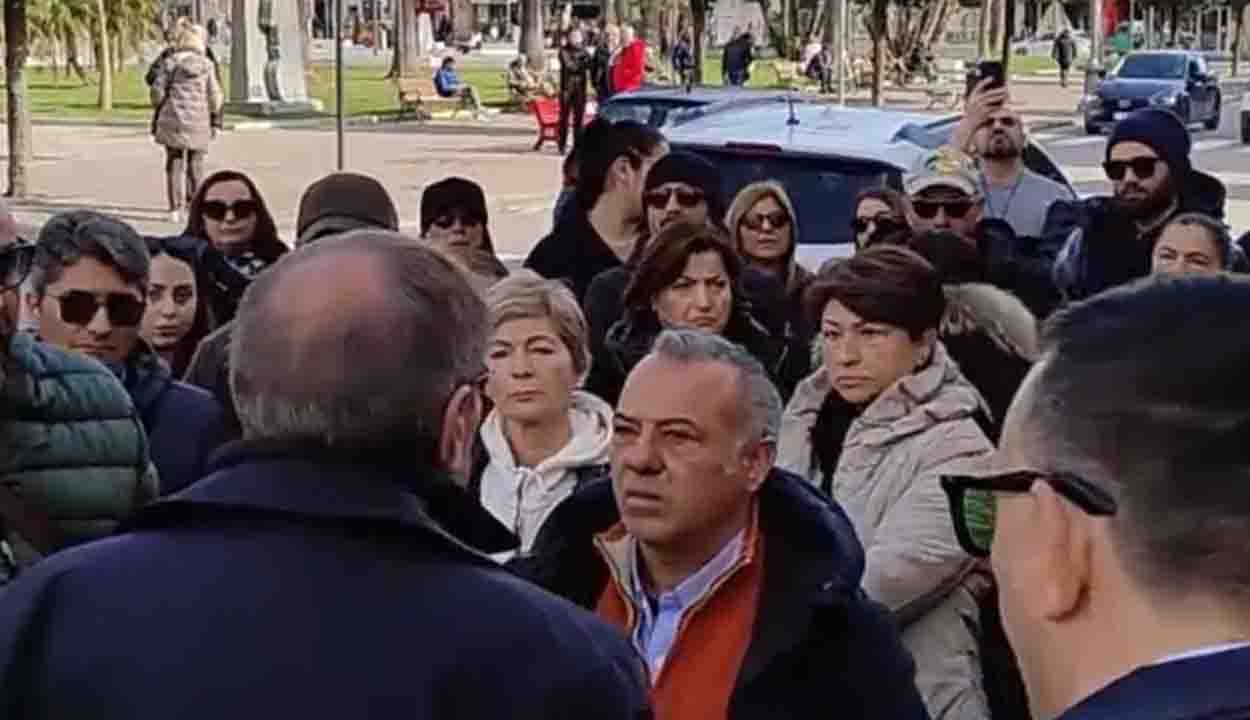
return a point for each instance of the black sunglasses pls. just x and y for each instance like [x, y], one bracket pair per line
[1143, 167]
[216, 209]
[465, 220]
[15, 262]
[658, 199]
[79, 307]
[972, 501]
[1007, 122]
[882, 222]
[776, 220]
[955, 209]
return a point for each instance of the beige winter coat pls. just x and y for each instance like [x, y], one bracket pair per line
[888, 481]
[187, 94]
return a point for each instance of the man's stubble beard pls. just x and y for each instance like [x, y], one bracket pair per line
[1149, 206]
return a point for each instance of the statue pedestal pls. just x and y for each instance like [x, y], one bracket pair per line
[259, 86]
[276, 108]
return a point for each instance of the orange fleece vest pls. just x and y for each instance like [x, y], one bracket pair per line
[702, 668]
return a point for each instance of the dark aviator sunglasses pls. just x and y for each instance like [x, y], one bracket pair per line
[1142, 167]
[79, 307]
[882, 222]
[216, 210]
[658, 199]
[928, 209]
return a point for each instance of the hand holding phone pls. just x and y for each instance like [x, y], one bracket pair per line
[986, 70]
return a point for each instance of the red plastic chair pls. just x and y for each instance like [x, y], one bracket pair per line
[547, 113]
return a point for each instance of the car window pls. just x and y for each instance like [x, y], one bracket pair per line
[1152, 66]
[618, 111]
[822, 189]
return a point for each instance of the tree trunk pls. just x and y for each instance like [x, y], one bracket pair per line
[622, 12]
[532, 44]
[1239, 11]
[104, 56]
[15, 53]
[607, 11]
[119, 54]
[71, 58]
[698, 31]
[880, 15]
[305, 24]
[406, 59]
[1009, 29]
[984, 21]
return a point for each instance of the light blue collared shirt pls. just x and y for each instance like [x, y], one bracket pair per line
[659, 618]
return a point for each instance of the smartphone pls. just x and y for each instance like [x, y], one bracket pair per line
[992, 69]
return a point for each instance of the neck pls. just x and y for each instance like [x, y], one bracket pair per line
[235, 249]
[1133, 635]
[534, 442]
[613, 225]
[667, 566]
[999, 172]
[167, 354]
[1154, 221]
[775, 267]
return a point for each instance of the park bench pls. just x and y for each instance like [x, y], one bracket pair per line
[791, 76]
[417, 95]
[547, 114]
[949, 88]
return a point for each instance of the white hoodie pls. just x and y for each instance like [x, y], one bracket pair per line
[520, 497]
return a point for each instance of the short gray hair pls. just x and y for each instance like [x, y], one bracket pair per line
[759, 395]
[369, 375]
[70, 236]
[526, 294]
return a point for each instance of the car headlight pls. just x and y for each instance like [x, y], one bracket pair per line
[1167, 97]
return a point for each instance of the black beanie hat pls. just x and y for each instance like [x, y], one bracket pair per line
[453, 193]
[688, 168]
[1163, 132]
[343, 201]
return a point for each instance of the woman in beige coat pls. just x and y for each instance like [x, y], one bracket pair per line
[885, 417]
[186, 95]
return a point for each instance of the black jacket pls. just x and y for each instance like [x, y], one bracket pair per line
[210, 369]
[574, 252]
[574, 70]
[738, 55]
[1098, 249]
[304, 583]
[819, 644]
[1209, 687]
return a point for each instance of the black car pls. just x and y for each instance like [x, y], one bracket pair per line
[1174, 79]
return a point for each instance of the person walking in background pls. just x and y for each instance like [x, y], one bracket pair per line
[913, 418]
[1064, 53]
[89, 284]
[454, 218]
[356, 416]
[97, 468]
[574, 74]
[186, 95]
[820, 68]
[179, 312]
[738, 583]
[736, 60]
[544, 438]
[629, 63]
[683, 60]
[448, 85]
[1120, 554]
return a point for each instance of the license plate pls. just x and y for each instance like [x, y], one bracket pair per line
[1119, 116]
[1126, 104]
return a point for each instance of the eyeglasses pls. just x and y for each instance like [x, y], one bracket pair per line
[15, 262]
[972, 501]
[465, 220]
[1007, 122]
[658, 199]
[79, 307]
[1143, 167]
[775, 220]
[882, 222]
[955, 209]
[216, 209]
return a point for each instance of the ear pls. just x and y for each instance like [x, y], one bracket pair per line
[461, 420]
[619, 173]
[1064, 555]
[927, 342]
[34, 305]
[758, 461]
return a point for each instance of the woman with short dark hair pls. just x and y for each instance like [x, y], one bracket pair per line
[688, 277]
[880, 214]
[908, 416]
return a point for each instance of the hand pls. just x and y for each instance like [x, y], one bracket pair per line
[977, 109]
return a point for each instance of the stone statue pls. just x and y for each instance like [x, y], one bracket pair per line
[273, 50]
[267, 63]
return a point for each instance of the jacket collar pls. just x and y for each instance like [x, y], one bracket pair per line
[321, 484]
[937, 393]
[145, 376]
[1209, 686]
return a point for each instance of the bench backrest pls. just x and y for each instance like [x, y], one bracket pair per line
[418, 86]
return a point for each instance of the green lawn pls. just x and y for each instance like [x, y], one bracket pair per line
[367, 93]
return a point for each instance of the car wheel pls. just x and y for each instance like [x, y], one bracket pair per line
[1213, 122]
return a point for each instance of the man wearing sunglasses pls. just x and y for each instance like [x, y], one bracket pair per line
[1116, 512]
[71, 443]
[945, 194]
[89, 286]
[1107, 241]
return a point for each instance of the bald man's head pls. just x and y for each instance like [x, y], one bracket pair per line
[356, 342]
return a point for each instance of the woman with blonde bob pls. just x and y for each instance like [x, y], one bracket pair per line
[544, 437]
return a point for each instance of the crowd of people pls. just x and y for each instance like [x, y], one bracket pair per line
[746, 489]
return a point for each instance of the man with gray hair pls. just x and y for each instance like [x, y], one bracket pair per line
[737, 582]
[325, 568]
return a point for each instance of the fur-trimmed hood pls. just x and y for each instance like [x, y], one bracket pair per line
[1001, 316]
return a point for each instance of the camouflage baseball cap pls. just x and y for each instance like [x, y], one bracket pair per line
[944, 168]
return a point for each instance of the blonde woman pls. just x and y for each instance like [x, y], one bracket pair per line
[186, 94]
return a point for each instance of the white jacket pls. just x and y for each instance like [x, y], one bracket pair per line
[520, 497]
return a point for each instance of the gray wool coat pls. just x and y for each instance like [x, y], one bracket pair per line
[186, 94]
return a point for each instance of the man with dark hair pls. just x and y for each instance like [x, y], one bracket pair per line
[738, 583]
[335, 204]
[326, 567]
[613, 161]
[574, 74]
[71, 444]
[1107, 241]
[89, 291]
[1121, 507]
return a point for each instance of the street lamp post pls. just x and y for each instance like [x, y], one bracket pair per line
[338, 80]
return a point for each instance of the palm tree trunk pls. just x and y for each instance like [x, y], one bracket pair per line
[71, 57]
[532, 45]
[15, 52]
[104, 58]
[880, 10]
[698, 31]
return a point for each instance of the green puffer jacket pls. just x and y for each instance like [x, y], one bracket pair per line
[70, 442]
